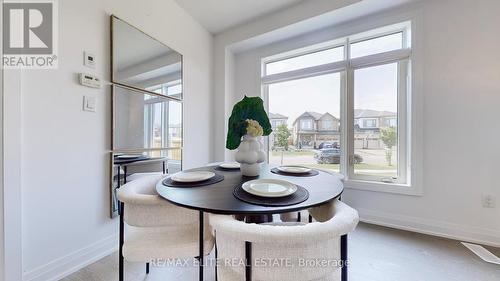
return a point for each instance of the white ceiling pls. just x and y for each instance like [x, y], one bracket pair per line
[219, 15]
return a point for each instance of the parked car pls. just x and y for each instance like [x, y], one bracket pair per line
[332, 156]
[328, 144]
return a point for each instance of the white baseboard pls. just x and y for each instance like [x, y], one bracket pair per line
[432, 227]
[64, 266]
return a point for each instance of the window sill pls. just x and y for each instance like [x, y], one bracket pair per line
[383, 187]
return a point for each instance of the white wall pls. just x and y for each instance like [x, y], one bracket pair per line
[2, 240]
[64, 163]
[461, 96]
[461, 70]
[12, 174]
[2, 236]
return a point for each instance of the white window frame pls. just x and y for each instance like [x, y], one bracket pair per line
[412, 184]
[403, 128]
[149, 113]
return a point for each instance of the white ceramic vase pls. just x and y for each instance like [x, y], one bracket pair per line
[250, 154]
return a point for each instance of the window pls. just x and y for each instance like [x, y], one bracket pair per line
[172, 89]
[301, 100]
[306, 124]
[276, 123]
[364, 84]
[376, 93]
[307, 60]
[162, 123]
[369, 123]
[392, 122]
[327, 125]
[377, 45]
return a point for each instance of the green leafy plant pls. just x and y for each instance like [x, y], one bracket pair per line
[282, 136]
[389, 137]
[247, 108]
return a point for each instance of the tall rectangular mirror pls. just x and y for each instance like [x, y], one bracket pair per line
[140, 61]
[147, 98]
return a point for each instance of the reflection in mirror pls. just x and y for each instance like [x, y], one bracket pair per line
[139, 61]
[130, 166]
[145, 121]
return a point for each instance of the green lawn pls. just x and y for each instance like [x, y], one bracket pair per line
[385, 171]
[293, 153]
[305, 158]
[361, 166]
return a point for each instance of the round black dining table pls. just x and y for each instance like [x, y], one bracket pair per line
[218, 198]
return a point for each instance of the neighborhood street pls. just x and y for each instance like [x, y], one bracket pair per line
[374, 161]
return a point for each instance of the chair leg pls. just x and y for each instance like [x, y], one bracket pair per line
[201, 251]
[310, 218]
[343, 256]
[216, 254]
[248, 258]
[299, 216]
[147, 268]
[122, 227]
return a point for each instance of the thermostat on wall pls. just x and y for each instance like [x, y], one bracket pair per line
[89, 59]
[90, 80]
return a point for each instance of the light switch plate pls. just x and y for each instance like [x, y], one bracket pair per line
[89, 59]
[489, 201]
[89, 103]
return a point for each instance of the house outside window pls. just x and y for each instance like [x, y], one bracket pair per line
[276, 120]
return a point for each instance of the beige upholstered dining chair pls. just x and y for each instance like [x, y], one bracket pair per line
[305, 215]
[153, 229]
[290, 249]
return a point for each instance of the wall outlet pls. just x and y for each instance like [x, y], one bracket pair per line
[489, 201]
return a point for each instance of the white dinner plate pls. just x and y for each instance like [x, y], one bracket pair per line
[129, 156]
[294, 169]
[230, 165]
[269, 187]
[192, 176]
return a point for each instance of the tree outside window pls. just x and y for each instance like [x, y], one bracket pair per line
[389, 137]
[282, 136]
